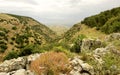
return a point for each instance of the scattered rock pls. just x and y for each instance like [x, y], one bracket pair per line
[101, 51]
[79, 67]
[113, 36]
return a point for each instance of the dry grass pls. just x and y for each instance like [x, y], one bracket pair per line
[90, 32]
[51, 63]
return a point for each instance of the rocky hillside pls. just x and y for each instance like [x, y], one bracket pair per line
[20, 32]
[93, 57]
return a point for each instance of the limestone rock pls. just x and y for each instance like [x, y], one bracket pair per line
[113, 36]
[20, 72]
[13, 64]
[3, 73]
[91, 44]
[79, 67]
[32, 57]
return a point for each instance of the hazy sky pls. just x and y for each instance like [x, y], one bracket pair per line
[57, 12]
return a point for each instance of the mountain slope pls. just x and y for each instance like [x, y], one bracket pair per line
[47, 33]
[96, 26]
[22, 33]
[80, 29]
[107, 21]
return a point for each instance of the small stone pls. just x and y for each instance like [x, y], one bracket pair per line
[3, 73]
[20, 72]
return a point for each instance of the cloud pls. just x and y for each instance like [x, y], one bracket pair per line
[66, 12]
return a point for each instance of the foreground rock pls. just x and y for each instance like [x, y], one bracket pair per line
[19, 66]
[79, 67]
[18, 72]
[13, 64]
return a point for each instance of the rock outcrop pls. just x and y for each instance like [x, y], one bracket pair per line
[114, 36]
[91, 44]
[19, 66]
[79, 67]
[18, 72]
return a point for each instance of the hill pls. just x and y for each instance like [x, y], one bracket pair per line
[107, 21]
[80, 29]
[20, 33]
[97, 25]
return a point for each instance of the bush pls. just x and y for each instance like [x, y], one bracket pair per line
[13, 38]
[14, 28]
[27, 50]
[2, 42]
[77, 45]
[2, 34]
[11, 55]
[51, 63]
[3, 48]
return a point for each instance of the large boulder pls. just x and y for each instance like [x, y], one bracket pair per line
[19, 63]
[91, 44]
[23, 72]
[79, 67]
[13, 64]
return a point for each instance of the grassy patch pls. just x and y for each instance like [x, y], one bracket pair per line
[51, 63]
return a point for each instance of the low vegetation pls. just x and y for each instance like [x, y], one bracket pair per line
[107, 21]
[51, 63]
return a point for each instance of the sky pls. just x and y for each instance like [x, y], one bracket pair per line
[57, 12]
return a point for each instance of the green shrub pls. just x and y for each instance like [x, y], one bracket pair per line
[2, 42]
[2, 34]
[3, 48]
[27, 50]
[19, 39]
[77, 44]
[11, 55]
[14, 28]
[13, 38]
[113, 25]
[4, 30]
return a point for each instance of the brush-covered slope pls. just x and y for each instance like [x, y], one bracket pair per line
[107, 21]
[47, 33]
[22, 33]
[96, 26]
[80, 29]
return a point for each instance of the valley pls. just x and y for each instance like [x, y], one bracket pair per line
[90, 47]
